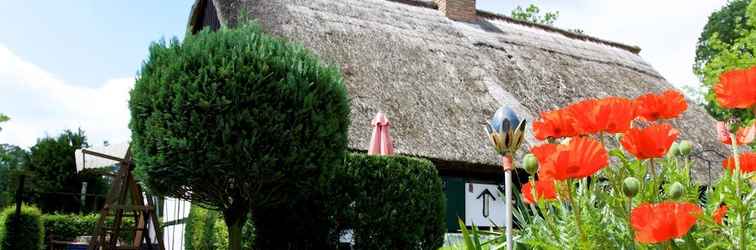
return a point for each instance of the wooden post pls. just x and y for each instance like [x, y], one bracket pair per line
[83, 196]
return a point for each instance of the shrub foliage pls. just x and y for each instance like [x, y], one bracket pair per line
[69, 226]
[24, 231]
[205, 230]
[237, 119]
[391, 202]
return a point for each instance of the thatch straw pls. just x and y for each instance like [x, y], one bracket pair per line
[439, 80]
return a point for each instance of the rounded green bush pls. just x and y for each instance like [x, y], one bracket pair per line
[21, 232]
[238, 120]
[391, 202]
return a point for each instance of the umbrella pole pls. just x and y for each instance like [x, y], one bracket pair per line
[507, 165]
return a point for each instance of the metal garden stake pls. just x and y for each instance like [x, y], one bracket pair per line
[506, 132]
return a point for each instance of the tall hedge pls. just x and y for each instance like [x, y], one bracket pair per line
[390, 202]
[237, 119]
[21, 232]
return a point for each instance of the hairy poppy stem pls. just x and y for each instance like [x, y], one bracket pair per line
[533, 194]
[576, 209]
[630, 211]
[652, 169]
[736, 175]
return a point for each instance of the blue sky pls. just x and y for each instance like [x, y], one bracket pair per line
[87, 42]
[70, 64]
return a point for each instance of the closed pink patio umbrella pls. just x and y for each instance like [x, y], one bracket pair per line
[380, 142]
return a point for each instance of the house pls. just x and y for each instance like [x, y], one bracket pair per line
[439, 69]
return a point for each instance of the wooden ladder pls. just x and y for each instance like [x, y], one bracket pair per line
[125, 199]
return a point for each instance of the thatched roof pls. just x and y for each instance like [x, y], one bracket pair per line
[439, 80]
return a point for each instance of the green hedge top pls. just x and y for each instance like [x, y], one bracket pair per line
[69, 226]
[215, 114]
[398, 202]
[21, 232]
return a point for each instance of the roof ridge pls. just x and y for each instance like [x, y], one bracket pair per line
[569, 34]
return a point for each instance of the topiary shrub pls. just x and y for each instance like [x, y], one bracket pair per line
[391, 202]
[205, 230]
[24, 231]
[236, 119]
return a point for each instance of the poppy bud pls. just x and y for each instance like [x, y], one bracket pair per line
[675, 190]
[674, 150]
[630, 186]
[685, 147]
[530, 164]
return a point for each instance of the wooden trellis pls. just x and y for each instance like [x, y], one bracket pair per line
[125, 199]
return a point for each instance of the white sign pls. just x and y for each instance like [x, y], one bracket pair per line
[483, 204]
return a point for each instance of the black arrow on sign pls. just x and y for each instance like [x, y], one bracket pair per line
[486, 203]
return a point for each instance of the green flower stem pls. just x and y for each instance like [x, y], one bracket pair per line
[550, 222]
[652, 168]
[630, 211]
[534, 195]
[576, 209]
[736, 174]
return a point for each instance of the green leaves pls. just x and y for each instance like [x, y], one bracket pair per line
[726, 24]
[238, 119]
[391, 202]
[24, 231]
[206, 230]
[533, 14]
[728, 42]
[598, 209]
[3, 118]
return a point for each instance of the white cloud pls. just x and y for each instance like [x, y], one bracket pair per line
[40, 104]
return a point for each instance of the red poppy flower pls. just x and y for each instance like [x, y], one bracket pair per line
[544, 189]
[719, 214]
[621, 114]
[736, 89]
[649, 142]
[589, 116]
[667, 105]
[747, 162]
[581, 157]
[554, 124]
[654, 223]
[742, 137]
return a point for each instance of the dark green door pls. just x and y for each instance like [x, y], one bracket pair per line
[454, 188]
